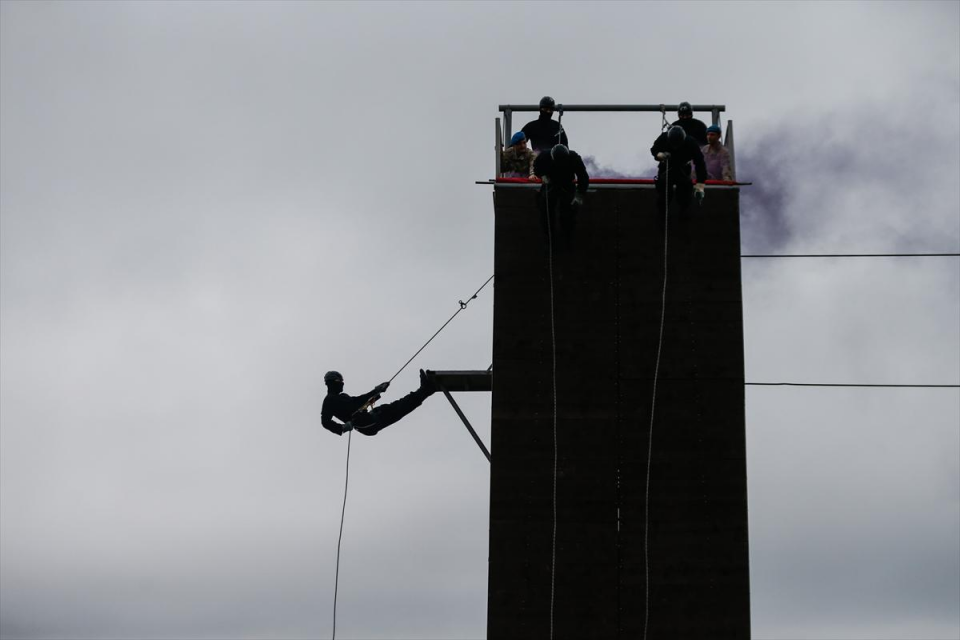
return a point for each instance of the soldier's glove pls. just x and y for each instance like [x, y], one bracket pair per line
[545, 179]
[698, 192]
[577, 199]
[347, 426]
[380, 388]
[663, 155]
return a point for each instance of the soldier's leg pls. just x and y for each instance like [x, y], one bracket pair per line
[385, 415]
[568, 219]
[684, 193]
[549, 204]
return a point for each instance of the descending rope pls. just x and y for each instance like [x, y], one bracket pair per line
[336, 584]
[553, 360]
[343, 511]
[653, 404]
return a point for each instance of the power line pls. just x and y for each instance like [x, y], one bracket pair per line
[850, 255]
[827, 384]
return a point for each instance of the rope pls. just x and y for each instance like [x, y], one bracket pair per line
[560, 125]
[653, 404]
[825, 384]
[553, 342]
[336, 584]
[463, 305]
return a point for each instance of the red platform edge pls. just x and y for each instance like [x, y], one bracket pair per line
[726, 183]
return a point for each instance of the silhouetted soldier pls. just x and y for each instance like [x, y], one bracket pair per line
[559, 196]
[676, 148]
[348, 408]
[693, 127]
[543, 133]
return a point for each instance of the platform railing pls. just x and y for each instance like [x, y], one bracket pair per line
[507, 110]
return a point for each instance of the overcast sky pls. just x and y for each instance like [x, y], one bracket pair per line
[204, 206]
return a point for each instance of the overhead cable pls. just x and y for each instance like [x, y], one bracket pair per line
[830, 384]
[850, 255]
[653, 405]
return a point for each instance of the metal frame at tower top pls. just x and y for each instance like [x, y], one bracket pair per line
[504, 130]
[508, 109]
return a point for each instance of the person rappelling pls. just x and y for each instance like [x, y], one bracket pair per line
[545, 132]
[675, 149]
[560, 197]
[353, 413]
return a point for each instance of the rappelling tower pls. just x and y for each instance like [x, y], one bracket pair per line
[678, 524]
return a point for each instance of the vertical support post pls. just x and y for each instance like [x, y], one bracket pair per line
[716, 117]
[507, 124]
[497, 148]
[728, 143]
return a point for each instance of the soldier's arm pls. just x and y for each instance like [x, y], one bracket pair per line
[583, 179]
[660, 144]
[326, 416]
[540, 164]
[331, 425]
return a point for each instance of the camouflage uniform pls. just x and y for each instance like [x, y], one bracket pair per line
[517, 162]
[718, 162]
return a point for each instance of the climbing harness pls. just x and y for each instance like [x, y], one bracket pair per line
[553, 360]
[653, 404]
[365, 407]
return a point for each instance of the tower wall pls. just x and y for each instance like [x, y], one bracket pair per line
[607, 303]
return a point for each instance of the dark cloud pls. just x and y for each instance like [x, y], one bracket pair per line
[765, 224]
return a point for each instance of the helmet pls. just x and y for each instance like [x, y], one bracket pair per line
[676, 135]
[332, 377]
[546, 102]
[684, 108]
[560, 153]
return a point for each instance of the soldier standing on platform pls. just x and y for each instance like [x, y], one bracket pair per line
[691, 126]
[675, 149]
[544, 132]
[716, 156]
